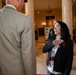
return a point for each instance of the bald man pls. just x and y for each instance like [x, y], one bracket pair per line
[17, 51]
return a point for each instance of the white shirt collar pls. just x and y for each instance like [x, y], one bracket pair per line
[11, 6]
[58, 37]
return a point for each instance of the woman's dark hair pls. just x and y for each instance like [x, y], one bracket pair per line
[64, 31]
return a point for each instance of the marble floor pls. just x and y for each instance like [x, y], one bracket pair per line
[41, 58]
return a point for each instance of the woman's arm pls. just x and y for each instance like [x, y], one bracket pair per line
[69, 59]
[48, 46]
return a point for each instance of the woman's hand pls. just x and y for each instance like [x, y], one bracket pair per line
[57, 42]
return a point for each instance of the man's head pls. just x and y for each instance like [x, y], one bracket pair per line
[16, 3]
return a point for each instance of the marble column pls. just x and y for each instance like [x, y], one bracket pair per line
[0, 4]
[67, 14]
[29, 9]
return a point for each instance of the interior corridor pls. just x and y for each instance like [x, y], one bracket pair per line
[41, 58]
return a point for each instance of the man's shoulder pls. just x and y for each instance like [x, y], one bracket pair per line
[21, 15]
[13, 12]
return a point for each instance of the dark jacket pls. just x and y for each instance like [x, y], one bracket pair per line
[64, 56]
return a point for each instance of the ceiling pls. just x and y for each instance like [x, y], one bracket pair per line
[43, 4]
